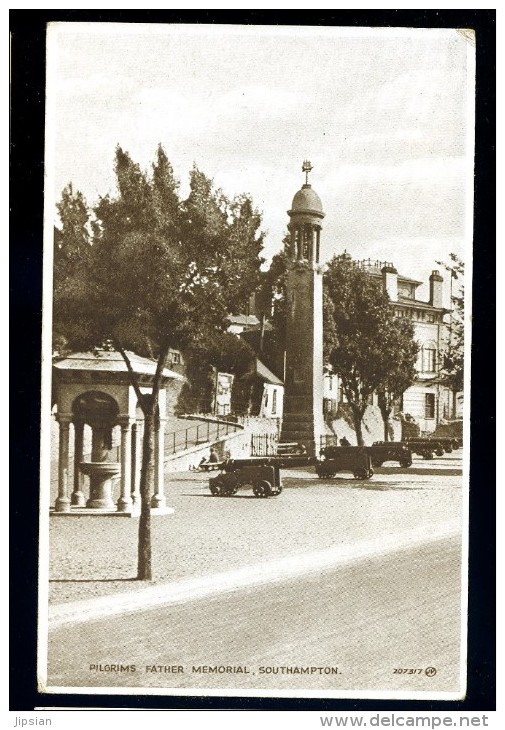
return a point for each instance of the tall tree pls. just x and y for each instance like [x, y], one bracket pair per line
[402, 350]
[367, 340]
[154, 281]
[71, 256]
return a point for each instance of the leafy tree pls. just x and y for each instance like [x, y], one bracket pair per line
[370, 352]
[402, 349]
[71, 256]
[153, 279]
[453, 360]
[223, 352]
[271, 303]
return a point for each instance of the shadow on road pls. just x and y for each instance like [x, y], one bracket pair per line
[372, 485]
[233, 496]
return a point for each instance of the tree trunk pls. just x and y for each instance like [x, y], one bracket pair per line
[385, 420]
[149, 405]
[385, 413]
[357, 418]
[144, 564]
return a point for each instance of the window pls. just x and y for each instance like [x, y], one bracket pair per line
[297, 247]
[175, 358]
[429, 359]
[305, 252]
[429, 405]
[266, 398]
[274, 401]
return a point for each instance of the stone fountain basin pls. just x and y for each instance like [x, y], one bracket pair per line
[104, 469]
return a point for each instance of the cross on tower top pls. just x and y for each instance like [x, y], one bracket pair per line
[306, 168]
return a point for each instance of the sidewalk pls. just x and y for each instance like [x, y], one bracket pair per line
[210, 543]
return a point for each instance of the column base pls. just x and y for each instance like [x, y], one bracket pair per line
[78, 499]
[158, 502]
[104, 504]
[62, 504]
[124, 504]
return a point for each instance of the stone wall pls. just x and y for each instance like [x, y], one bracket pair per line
[260, 425]
[373, 426]
[238, 445]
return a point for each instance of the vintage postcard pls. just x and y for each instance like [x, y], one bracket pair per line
[255, 410]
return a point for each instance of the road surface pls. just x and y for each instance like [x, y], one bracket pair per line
[376, 623]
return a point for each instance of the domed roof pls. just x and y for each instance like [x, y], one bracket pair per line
[307, 200]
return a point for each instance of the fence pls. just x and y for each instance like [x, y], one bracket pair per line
[264, 444]
[201, 433]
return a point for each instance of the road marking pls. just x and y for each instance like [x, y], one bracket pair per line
[273, 571]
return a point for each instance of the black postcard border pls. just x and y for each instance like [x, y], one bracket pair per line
[27, 105]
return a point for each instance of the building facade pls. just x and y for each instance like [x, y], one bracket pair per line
[428, 400]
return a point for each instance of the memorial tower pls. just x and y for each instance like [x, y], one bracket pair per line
[303, 397]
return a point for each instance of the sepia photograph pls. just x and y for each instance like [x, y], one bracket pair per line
[255, 399]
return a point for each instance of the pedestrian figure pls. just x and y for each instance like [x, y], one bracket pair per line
[344, 442]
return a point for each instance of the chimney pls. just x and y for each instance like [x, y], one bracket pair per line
[390, 281]
[436, 294]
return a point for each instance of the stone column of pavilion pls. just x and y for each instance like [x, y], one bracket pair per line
[77, 498]
[303, 420]
[62, 503]
[158, 499]
[124, 503]
[136, 456]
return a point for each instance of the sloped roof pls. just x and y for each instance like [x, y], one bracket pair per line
[408, 280]
[267, 375]
[404, 279]
[112, 361]
[244, 319]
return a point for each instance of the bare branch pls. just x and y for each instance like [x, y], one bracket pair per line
[131, 372]
[162, 359]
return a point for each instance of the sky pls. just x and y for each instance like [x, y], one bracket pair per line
[385, 117]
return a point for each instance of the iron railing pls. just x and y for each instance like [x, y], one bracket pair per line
[201, 433]
[264, 444]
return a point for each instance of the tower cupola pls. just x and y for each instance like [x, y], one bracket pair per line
[305, 215]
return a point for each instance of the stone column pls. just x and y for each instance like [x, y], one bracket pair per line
[124, 503]
[313, 245]
[135, 463]
[158, 498]
[62, 503]
[77, 498]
